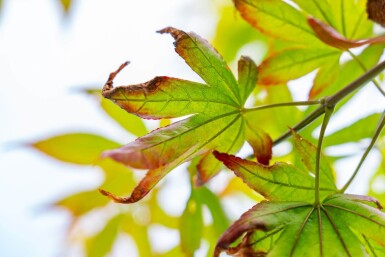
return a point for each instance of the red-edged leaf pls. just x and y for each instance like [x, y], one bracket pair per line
[330, 36]
[206, 62]
[279, 182]
[165, 97]
[247, 77]
[265, 216]
[297, 229]
[260, 141]
[217, 121]
[76, 148]
[207, 168]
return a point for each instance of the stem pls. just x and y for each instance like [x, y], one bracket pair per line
[375, 82]
[334, 99]
[328, 113]
[306, 121]
[267, 106]
[380, 126]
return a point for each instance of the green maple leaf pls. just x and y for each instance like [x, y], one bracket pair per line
[290, 224]
[219, 119]
[311, 43]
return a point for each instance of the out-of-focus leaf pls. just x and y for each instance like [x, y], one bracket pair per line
[232, 33]
[217, 121]
[131, 123]
[350, 18]
[236, 186]
[101, 244]
[299, 225]
[207, 168]
[360, 129]
[278, 19]
[319, 9]
[247, 77]
[288, 116]
[76, 148]
[176, 251]
[117, 177]
[80, 203]
[350, 71]
[212, 201]
[139, 233]
[261, 142]
[331, 37]
[66, 4]
[191, 225]
[326, 75]
[293, 63]
[158, 215]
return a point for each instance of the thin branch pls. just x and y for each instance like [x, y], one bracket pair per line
[306, 121]
[334, 99]
[268, 106]
[363, 67]
[380, 126]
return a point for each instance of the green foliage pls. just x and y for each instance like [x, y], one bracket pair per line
[300, 209]
[303, 227]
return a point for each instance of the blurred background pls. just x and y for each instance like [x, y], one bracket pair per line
[49, 51]
[53, 56]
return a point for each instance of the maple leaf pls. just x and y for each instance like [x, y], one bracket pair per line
[314, 36]
[290, 223]
[218, 118]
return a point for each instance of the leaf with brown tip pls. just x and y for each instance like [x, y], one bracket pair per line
[331, 37]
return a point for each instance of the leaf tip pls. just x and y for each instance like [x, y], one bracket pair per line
[175, 33]
[220, 156]
[230, 161]
[106, 91]
[117, 199]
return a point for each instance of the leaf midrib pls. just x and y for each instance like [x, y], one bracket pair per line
[233, 91]
[175, 100]
[193, 128]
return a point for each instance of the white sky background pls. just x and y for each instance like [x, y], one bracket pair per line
[43, 58]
